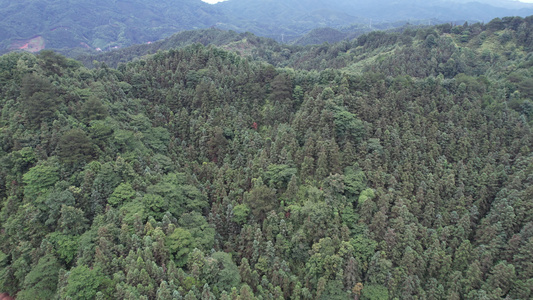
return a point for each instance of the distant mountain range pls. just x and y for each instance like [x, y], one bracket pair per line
[103, 25]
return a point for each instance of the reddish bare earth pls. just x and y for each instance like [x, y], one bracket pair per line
[5, 296]
[35, 44]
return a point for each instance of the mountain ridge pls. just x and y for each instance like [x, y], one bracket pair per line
[104, 25]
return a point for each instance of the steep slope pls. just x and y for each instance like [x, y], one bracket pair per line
[397, 165]
[321, 35]
[227, 39]
[101, 24]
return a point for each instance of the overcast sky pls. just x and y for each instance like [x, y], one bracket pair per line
[215, 1]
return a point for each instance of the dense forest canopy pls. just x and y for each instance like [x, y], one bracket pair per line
[394, 166]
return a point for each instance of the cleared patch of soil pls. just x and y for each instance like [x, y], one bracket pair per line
[35, 44]
[5, 296]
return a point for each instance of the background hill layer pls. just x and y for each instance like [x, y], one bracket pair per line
[105, 25]
[396, 165]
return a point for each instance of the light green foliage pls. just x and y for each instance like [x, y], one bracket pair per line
[155, 204]
[323, 266]
[135, 207]
[72, 220]
[123, 193]
[66, 246]
[374, 292]
[157, 138]
[100, 131]
[347, 125]
[140, 122]
[240, 213]
[323, 261]
[39, 179]
[364, 249]
[298, 93]
[349, 216]
[164, 162]
[126, 140]
[18, 161]
[354, 181]
[177, 197]
[374, 145]
[180, 243]
[367, 194]
[83, 283]
[311, 194]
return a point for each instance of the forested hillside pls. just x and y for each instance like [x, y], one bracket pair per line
[299, 16]
[67, 24]
[393, 166]
[103, 25]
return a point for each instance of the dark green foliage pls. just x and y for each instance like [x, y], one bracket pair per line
[41, 281]
[40, 103]
[278, 176]
[93, 109]
[261, 199]
[224, 273]
[397, 165]
[75, 147]
[52, 63]
[83, 283]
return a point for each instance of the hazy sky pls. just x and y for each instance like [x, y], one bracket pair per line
[215, 1]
